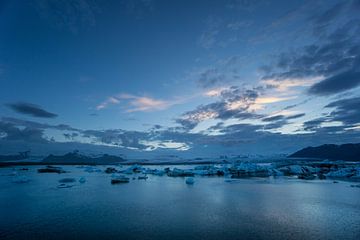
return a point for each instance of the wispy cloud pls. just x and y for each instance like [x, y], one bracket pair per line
[143, 104]
[31, 109]
[285, 85]
[134, 103]
[107, 102]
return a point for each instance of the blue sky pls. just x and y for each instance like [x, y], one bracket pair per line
[179, 76]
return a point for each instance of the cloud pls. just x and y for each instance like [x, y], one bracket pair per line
[107, 102]
[285, 84]
[223, 72]
[141, 104]
[31, 109]
[211, 77]
[12, 133]
[278, 121]
[345, 110]
[234, 103]
[331, 64]
[135, 103]
[335, 84]
[32, 124]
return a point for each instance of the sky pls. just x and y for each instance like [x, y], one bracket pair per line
[187, 78]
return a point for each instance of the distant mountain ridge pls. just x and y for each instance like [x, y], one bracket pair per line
[347, 152]
[77, 158]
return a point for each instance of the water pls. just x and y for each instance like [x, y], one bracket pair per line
[167, 208]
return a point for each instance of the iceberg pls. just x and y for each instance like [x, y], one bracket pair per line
[82, 180]
[176, 172]
[247, 169]
[120, 179]
[67, 180]
[189, 180]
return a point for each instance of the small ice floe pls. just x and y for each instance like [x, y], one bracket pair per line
[120, 179]
[64, 185]
[231, 180]
[133, 169]
[208, 170]
[67, 180]
[144, 177]
[180, 173]
[292, 170]
[247, 169]
[111, 170]
[21, 179]
[51, 169]
[342, 173]
[190, 180]
[82, 180]
[156, 172]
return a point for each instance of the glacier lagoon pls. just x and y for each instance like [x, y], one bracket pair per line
[163, 207]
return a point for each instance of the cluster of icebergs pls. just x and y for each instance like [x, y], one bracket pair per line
[307, 170]
[302, 170]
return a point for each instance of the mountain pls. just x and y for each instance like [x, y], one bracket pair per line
[347, 152]
[76, 158]
[15, 157]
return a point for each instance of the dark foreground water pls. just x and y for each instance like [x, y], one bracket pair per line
[167, 208]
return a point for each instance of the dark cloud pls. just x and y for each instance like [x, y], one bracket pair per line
[278, 121]
[346, 110]
[275, 124]
[295, 116]
[338, 83]
[335, 55]
[31, 109]
[224, 72]
[118, 137]
[273, 118]
[224, 108]
[32, 124]
[11, 132]
[313, 124]
[70, 136]
[211, 78]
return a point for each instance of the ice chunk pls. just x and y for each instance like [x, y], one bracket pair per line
[189, 180]
[67, 180]
[63, 185]
[176, 172]
[120, 179]
[82, 180]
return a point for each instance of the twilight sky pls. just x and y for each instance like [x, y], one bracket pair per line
[195, 78]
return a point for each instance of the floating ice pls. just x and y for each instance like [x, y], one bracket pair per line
[82, 180]
[189, 180]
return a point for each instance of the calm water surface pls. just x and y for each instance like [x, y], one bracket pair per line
[167, 208]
